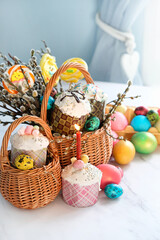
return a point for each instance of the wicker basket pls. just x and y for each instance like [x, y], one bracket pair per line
[98, 146]
[32, 188]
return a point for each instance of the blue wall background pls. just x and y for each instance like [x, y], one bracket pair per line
[67, 26]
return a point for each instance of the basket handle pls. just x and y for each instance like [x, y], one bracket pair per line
[4, 152]
[53, 79]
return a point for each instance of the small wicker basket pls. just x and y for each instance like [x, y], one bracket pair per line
[98, 145]
[32, 188]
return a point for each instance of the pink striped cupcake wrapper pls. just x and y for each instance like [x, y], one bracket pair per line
[38, 156]
[80, 196]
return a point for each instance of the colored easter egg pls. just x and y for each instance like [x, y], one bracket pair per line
[119, 123]
[110, 174]
[141, 111]
[140, 123]
[158, 111]
[85, 158]
[49, 67]
[92, 124]
[157, 125]
[123, 152]
[50, 103]
[144, 142]
[152, 116]
[115, 135]
[78, 164]
[24, 162]
[73, 74]
[16, 76]
[121, 108]
[53, 92]
[113, 191]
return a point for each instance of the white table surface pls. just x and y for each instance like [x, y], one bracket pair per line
[134, 216]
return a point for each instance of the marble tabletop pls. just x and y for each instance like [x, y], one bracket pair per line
[134, 216]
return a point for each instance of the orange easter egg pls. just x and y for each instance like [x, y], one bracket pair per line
[17, 78]
[123, 152]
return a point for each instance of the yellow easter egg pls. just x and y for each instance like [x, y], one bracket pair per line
[73, 74]
[48, 66]
[24, 162]
[85, 158]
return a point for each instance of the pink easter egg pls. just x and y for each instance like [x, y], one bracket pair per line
[35, 132]
[78, 164]
[121, 171]
[21, 131]
[158, 111]
[120, 122]
[110, 174]
[114, 134]
[28, 130]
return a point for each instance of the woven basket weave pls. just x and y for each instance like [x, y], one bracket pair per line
[32, 188]
[98, 146]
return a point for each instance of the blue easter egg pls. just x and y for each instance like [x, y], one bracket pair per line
[140, 123]
[92, 124]
[51, 101]
[113, 191]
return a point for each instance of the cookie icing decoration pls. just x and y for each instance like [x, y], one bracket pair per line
[48, 66]
[73, 75]
[16, 76]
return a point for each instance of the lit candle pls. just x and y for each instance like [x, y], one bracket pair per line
[78, 135]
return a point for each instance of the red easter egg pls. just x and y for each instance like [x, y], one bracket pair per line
[158, 111]
[114, 134]
[141, 111]
[120, 121]
[110, 174]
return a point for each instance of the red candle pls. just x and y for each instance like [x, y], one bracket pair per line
[78, 135]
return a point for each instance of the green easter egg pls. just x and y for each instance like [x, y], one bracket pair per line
[152, 116]
[144, 142]
[92, 124]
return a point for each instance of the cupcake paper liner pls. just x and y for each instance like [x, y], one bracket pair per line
[97, 109]
[80, 196]
[38, 156]
[64, 124]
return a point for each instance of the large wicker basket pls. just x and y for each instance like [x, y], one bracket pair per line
[32, 188]
[98, 144]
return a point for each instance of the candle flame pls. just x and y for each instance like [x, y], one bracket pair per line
[77, 127]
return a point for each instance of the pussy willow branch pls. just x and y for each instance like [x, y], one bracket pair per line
[26, 79]
[117, 102]
[9, 64]
[113, 101]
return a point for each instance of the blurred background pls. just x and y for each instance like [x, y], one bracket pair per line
[70, 30]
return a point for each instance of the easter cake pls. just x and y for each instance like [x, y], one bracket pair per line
[29, 141]
[80, 183]
[70, 108]
[96, 97]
